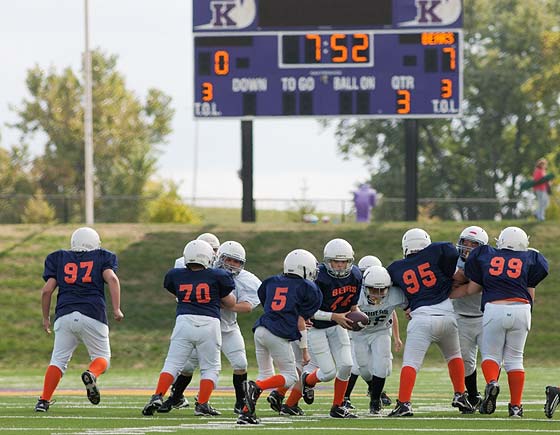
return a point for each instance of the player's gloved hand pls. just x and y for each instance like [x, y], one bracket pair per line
[47, 325]
[118, 315]
[341, 319]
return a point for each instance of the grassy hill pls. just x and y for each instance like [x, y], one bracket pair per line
[146, 252]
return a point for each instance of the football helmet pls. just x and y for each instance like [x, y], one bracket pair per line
[474, 234]
[234, 250]
[513, 238]
[301, 263]
[368, 261]
[85, 239]
[338, 250]
[415, 240]
[211, 239]
[376, 284]
[198, 252]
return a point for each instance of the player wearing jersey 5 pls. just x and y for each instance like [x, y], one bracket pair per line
[200, 291]
[340, 282]
[288, 300]
[507, 277]
[80, 314]
[231, 257]
[426, 276]
[372, 345]
[469, 314]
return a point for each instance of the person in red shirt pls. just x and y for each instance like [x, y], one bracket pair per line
[541, 189]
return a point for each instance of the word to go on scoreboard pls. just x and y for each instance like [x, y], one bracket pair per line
[327, 58]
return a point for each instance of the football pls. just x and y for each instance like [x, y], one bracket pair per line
[358, 320]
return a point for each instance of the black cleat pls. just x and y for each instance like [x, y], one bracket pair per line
[475, 402]
[402, 409]
[341, 412]
[515, 411]
[291, 410]
[247, 419]
[153, 405]
[307, 392]
[252, 394]
[238, 407]
[488, 405]
[205, 409]
[385, 400]
[347, 403]
[173, 403]
[275, 400]
[42, 405]
[90, 381]
[552, 400]
[375, 407]
[461, 401]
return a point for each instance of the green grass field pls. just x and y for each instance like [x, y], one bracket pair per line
[125, 392]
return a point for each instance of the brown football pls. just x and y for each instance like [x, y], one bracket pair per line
[358, 320]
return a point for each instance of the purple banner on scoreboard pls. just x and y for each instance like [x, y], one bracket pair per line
[263, 15]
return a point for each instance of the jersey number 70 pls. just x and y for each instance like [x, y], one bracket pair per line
[421, 275]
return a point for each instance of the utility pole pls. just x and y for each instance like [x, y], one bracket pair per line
[88, 124]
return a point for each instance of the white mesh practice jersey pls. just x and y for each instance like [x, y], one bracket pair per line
[380, 316]
[246, 286]
[467, 305]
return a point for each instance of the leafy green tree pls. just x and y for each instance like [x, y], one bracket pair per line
[167, 205]
[127, 133]
[510, 117]
[15, 182]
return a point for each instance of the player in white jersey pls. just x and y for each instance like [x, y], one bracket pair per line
[230, 256]
[364, 263]
[469, 314]
[372, 345]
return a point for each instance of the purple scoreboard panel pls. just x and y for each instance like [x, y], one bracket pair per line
[327, 58]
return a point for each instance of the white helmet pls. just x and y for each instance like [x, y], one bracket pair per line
[85, 239]
[211, 239]
[198, 252]
[301, 263]
[415, 240]
[513, 238]
[474, 234]
[231, 249]
[376, 284]
[338, 250]
[368, 261]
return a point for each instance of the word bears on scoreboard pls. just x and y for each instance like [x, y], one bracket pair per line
[352, 58]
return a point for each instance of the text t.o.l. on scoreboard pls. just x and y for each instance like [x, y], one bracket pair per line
[327, 58]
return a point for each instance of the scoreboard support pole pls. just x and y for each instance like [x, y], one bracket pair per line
[248, 204]
[411, 165]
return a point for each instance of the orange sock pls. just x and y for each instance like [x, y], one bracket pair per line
[282, 390]
[293, 400]
[164, 382]
[491, 370]
[52, 378]
[516, 381]
[272, 382]
[98, 366]
[456, 369]
[205, 390]
[408, 379]
[339, 390]
[312, 378]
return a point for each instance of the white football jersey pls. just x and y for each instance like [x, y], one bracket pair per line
[246, 286]
[467, 305]
[179, 263]
[380, 316]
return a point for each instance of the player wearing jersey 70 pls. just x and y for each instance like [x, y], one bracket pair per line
[80, 275]
[288, 300]
[426, 277]
[200, 291]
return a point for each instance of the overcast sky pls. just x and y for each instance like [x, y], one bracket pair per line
[153, 40]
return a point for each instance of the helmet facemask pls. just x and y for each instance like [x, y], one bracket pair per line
[376, 295]
[465, 246]
[231, 264]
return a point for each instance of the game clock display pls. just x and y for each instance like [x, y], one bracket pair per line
[295, 66]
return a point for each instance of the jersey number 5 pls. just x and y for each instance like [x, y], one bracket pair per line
[412, 278]
[279, 299]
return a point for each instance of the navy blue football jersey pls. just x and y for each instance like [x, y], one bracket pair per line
[284, 298]
[339, 294]
[199, 291]
[426, 277]
[505, 274]
[79, 276]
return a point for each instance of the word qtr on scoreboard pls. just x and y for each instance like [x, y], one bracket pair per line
[249, 61]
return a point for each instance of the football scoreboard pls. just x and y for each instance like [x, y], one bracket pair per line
[327, 58]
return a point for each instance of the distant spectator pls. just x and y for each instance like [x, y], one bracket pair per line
[365, 199]
[541, 188]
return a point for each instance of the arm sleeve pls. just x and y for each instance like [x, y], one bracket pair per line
[50, 266]
[226, 284]
[168, 283]
[538, 271]
[472, 267]
[449, 258]
[312, 301]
